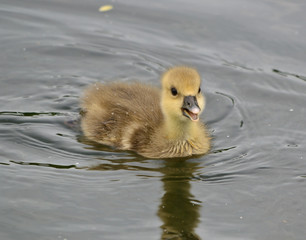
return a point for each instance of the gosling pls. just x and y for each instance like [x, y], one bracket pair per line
[152, 122]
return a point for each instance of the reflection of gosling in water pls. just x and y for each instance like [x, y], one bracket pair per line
[141, 118]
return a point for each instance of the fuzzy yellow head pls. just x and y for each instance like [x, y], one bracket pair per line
[181, 94]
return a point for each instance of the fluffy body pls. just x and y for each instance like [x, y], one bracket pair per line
[145, 119]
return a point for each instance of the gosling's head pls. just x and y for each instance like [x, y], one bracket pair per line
[181, 94]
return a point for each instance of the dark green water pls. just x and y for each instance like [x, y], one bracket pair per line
[57, 185]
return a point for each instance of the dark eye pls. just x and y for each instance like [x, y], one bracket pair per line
[173, 91]
[199, 90]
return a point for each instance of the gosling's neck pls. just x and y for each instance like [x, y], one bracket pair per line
[178, 129]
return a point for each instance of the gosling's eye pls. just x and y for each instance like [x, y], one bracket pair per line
[173, 91]
[199, 90]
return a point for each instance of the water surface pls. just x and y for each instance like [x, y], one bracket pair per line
[57, 185]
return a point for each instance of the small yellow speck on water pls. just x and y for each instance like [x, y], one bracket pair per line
[105, 8]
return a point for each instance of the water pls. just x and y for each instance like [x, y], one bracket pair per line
[57, 185]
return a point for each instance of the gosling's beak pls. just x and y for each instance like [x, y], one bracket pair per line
[191, 108]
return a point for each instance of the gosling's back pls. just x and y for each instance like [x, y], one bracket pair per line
[121, 115]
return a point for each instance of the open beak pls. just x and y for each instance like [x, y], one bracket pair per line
[191, 108]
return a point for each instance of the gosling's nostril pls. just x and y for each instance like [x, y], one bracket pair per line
[190, 103]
